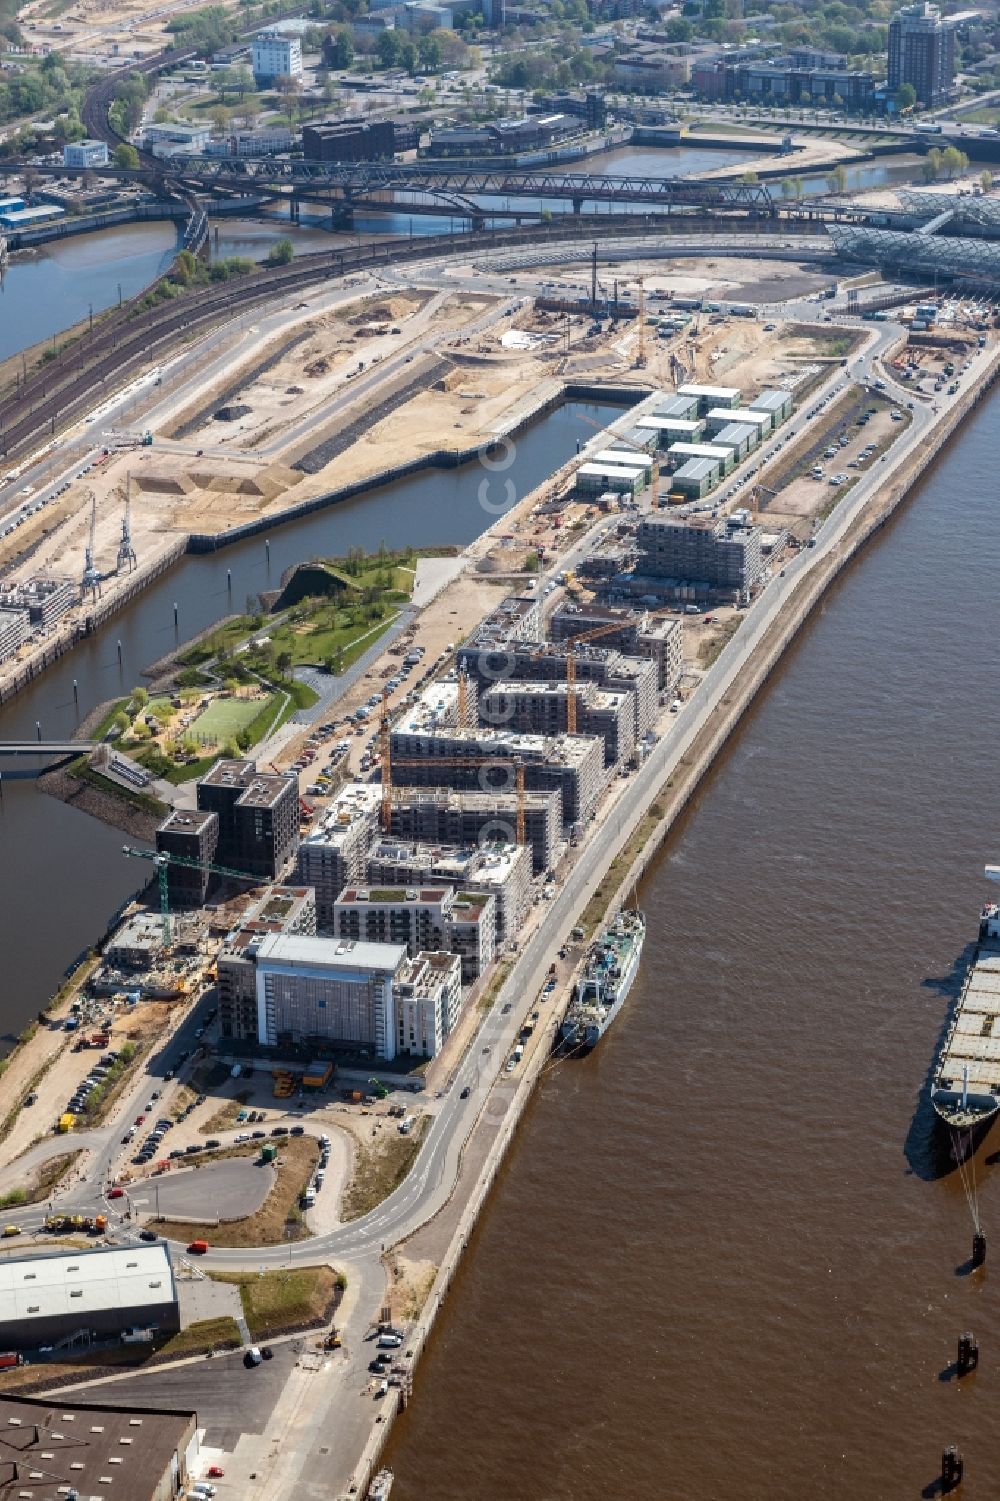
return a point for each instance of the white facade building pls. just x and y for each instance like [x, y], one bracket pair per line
[85, 154]
[273, 56]
[428, 1003]
[329, 990]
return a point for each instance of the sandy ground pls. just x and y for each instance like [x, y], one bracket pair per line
[810, 155]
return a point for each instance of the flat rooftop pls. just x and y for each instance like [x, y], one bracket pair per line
[229, 773]
[187, 821]
[299, 951]
[266, 790]
[97, 1450]
[75, 1283]
[550, 750]
[357, 802]
[394, 896]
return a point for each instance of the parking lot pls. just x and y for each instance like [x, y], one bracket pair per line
[226, 1190]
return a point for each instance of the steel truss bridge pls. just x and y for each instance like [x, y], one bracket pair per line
[460, 188]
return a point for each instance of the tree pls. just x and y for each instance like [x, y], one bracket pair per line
[340, 53]
[953, 161]
[126, 156]
[121, 722]
[836, 180]
[220, 120]
[787, 187]
[986, 179]
[750, 178]
[387, 48]
[430, 53]
[140, 698]
[932, 164]
[281, 253]
[906, 96]
[408, 56]
[242, 81]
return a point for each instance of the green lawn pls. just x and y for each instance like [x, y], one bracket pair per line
[227, 717]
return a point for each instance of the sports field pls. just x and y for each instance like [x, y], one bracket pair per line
[226, 717]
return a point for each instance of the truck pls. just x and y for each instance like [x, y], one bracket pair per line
[9, 1359]
[137, 1336]
[406, 1125]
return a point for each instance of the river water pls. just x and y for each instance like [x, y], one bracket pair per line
[70, 872]
[723, 1260]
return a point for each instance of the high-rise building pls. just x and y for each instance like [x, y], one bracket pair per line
[258, 816]
[922, 53]
[328, 991]
[194, 835]
[283, 909]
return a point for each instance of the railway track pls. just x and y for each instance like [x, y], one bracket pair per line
[118, 348]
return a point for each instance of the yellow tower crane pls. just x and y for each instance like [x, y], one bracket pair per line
[574, 641]
[385, 769]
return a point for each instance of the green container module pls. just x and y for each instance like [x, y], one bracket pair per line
[268, 1153]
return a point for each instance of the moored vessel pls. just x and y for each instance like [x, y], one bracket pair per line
[611, 967]
[965, 1085]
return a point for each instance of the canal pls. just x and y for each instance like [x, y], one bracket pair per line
[70, 872]
[723, 1259]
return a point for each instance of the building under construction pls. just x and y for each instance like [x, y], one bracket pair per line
[429, 746]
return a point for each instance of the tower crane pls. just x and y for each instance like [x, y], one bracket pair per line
[126, 551]
[91, 581]
[163, 860]
[385, 768]
[607, 629]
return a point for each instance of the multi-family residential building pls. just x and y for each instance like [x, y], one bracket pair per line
[331, 992]
[922, 53]
[334, 852]
[275, 56]
[258, 816]
[428, 995]
[283, 909]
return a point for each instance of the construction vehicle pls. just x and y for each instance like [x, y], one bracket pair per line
[379, 1090]
[163, 860]
[333, 1341]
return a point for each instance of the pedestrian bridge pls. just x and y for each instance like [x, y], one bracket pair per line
[46, 747]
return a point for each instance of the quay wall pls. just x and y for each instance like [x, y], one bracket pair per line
[675, 795]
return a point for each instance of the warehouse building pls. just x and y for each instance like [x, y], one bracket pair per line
[55, 1450]
[712, 555]
[334, 852]
[349, 141]
[778, 405]
[501, 870]
[543, 709]
[696, 479]
[283, 909]
[740, 438]
[709, 397]
[597, 479]
[667, 430]
[258, 815]
[64, 1298]
[720, 417]
[685, 408]
[428, 1003]
[328, 992]
[679, 454]
[192, 835]
[448, 816]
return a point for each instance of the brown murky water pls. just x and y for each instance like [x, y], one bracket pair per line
[725, 1260]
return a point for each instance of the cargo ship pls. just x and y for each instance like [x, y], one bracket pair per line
[965, 1084]
[601, 991]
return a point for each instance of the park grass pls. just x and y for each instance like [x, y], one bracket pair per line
[225, 718]
[381, 1167]
[282, 1299]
